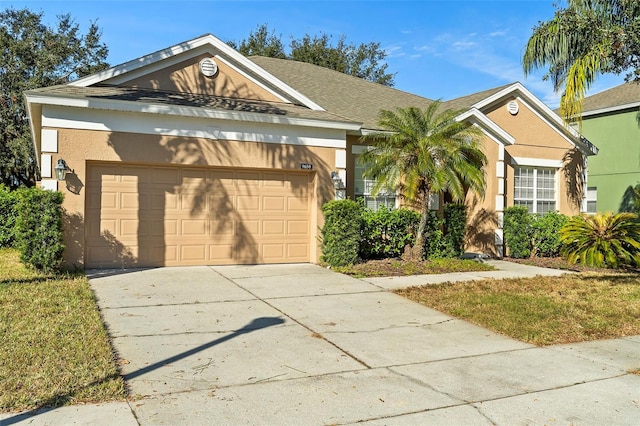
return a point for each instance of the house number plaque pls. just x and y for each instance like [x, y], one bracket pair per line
[306, 166]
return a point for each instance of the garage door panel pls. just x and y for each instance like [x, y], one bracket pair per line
[221, 227]
[195, 215]
[273, 227]
[248, 203]
[298, 204]
[244, 227]
[193, 227]
[298, 227]
[298, 251]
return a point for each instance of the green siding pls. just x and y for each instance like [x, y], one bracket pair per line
[617, 165]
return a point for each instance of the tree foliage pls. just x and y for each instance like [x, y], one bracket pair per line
[424, 152]
[365, 60]
[583, 40]
[34, 55]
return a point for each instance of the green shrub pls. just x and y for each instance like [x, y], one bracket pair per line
[602, 240]
[517, 231]
[341, 232]
[39, 229]
[8, 214]
[545, 234]
[436, 245]
[386, 232]
[455, 225]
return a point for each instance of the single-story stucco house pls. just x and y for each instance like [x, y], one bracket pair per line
[197, 155]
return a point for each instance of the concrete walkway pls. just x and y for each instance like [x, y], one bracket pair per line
[299, 344]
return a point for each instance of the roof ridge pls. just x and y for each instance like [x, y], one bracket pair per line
[359, 79]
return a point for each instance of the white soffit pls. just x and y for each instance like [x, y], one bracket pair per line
[536, 162]
[180, 126]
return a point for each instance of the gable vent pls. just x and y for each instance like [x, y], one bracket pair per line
[513, 107]
[208, 67]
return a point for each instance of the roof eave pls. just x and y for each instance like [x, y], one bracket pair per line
[186, 111]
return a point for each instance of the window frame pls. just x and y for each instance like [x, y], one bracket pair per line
[535, 189]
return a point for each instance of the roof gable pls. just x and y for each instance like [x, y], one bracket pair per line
[173, 67]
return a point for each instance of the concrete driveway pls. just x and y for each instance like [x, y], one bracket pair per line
[299, 344]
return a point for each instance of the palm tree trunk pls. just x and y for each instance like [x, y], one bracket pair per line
[418, 248]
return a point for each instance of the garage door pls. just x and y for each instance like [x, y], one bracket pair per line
[151, 216]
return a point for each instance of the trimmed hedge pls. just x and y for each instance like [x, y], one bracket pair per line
[386, 232]
[39, 229]
[8, 215]
[352, 232]
[517, 231]
[527, 234]
[341, 232]
[455, 226]
[545, 234]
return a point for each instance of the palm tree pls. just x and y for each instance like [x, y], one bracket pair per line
[581, 41]
[423, 152]
[602, 240]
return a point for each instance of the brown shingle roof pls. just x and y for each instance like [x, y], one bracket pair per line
[350, 97]
[465, 102]
[625, 94]
[149, 96]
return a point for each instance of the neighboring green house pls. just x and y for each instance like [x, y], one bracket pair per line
[611, 121]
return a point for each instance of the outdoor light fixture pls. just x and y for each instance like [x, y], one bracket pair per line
[61, 170]
[337, 181]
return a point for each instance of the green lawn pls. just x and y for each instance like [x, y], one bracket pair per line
[55, 349]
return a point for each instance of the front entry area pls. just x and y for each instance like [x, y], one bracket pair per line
[140, 215]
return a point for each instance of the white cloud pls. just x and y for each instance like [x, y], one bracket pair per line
[394, 51]
[425, 48]
[462, 45]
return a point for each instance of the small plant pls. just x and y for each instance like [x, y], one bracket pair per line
[341, 232]
[517, 231]
[604, 240]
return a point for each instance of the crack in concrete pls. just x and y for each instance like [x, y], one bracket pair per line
[391, 327]
[313, 332]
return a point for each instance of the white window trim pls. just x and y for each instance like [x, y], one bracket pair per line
[536, 162]
[535, 199]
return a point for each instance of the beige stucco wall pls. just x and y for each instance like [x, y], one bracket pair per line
[185, 77]
[537, 139]
[482, 217]
[80, 147]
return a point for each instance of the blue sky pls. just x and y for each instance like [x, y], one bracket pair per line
[438, 49]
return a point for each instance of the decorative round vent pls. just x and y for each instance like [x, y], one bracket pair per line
[513, 107]
[208, 67]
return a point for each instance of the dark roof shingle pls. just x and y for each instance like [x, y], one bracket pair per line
[624, 94]
[342, 94]
[186, 99]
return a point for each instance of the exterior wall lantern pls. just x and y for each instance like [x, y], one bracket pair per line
[61, 170]
[339, 186]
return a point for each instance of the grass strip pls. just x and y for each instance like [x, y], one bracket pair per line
[397, 267]
[543, 310]
[55, 349]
